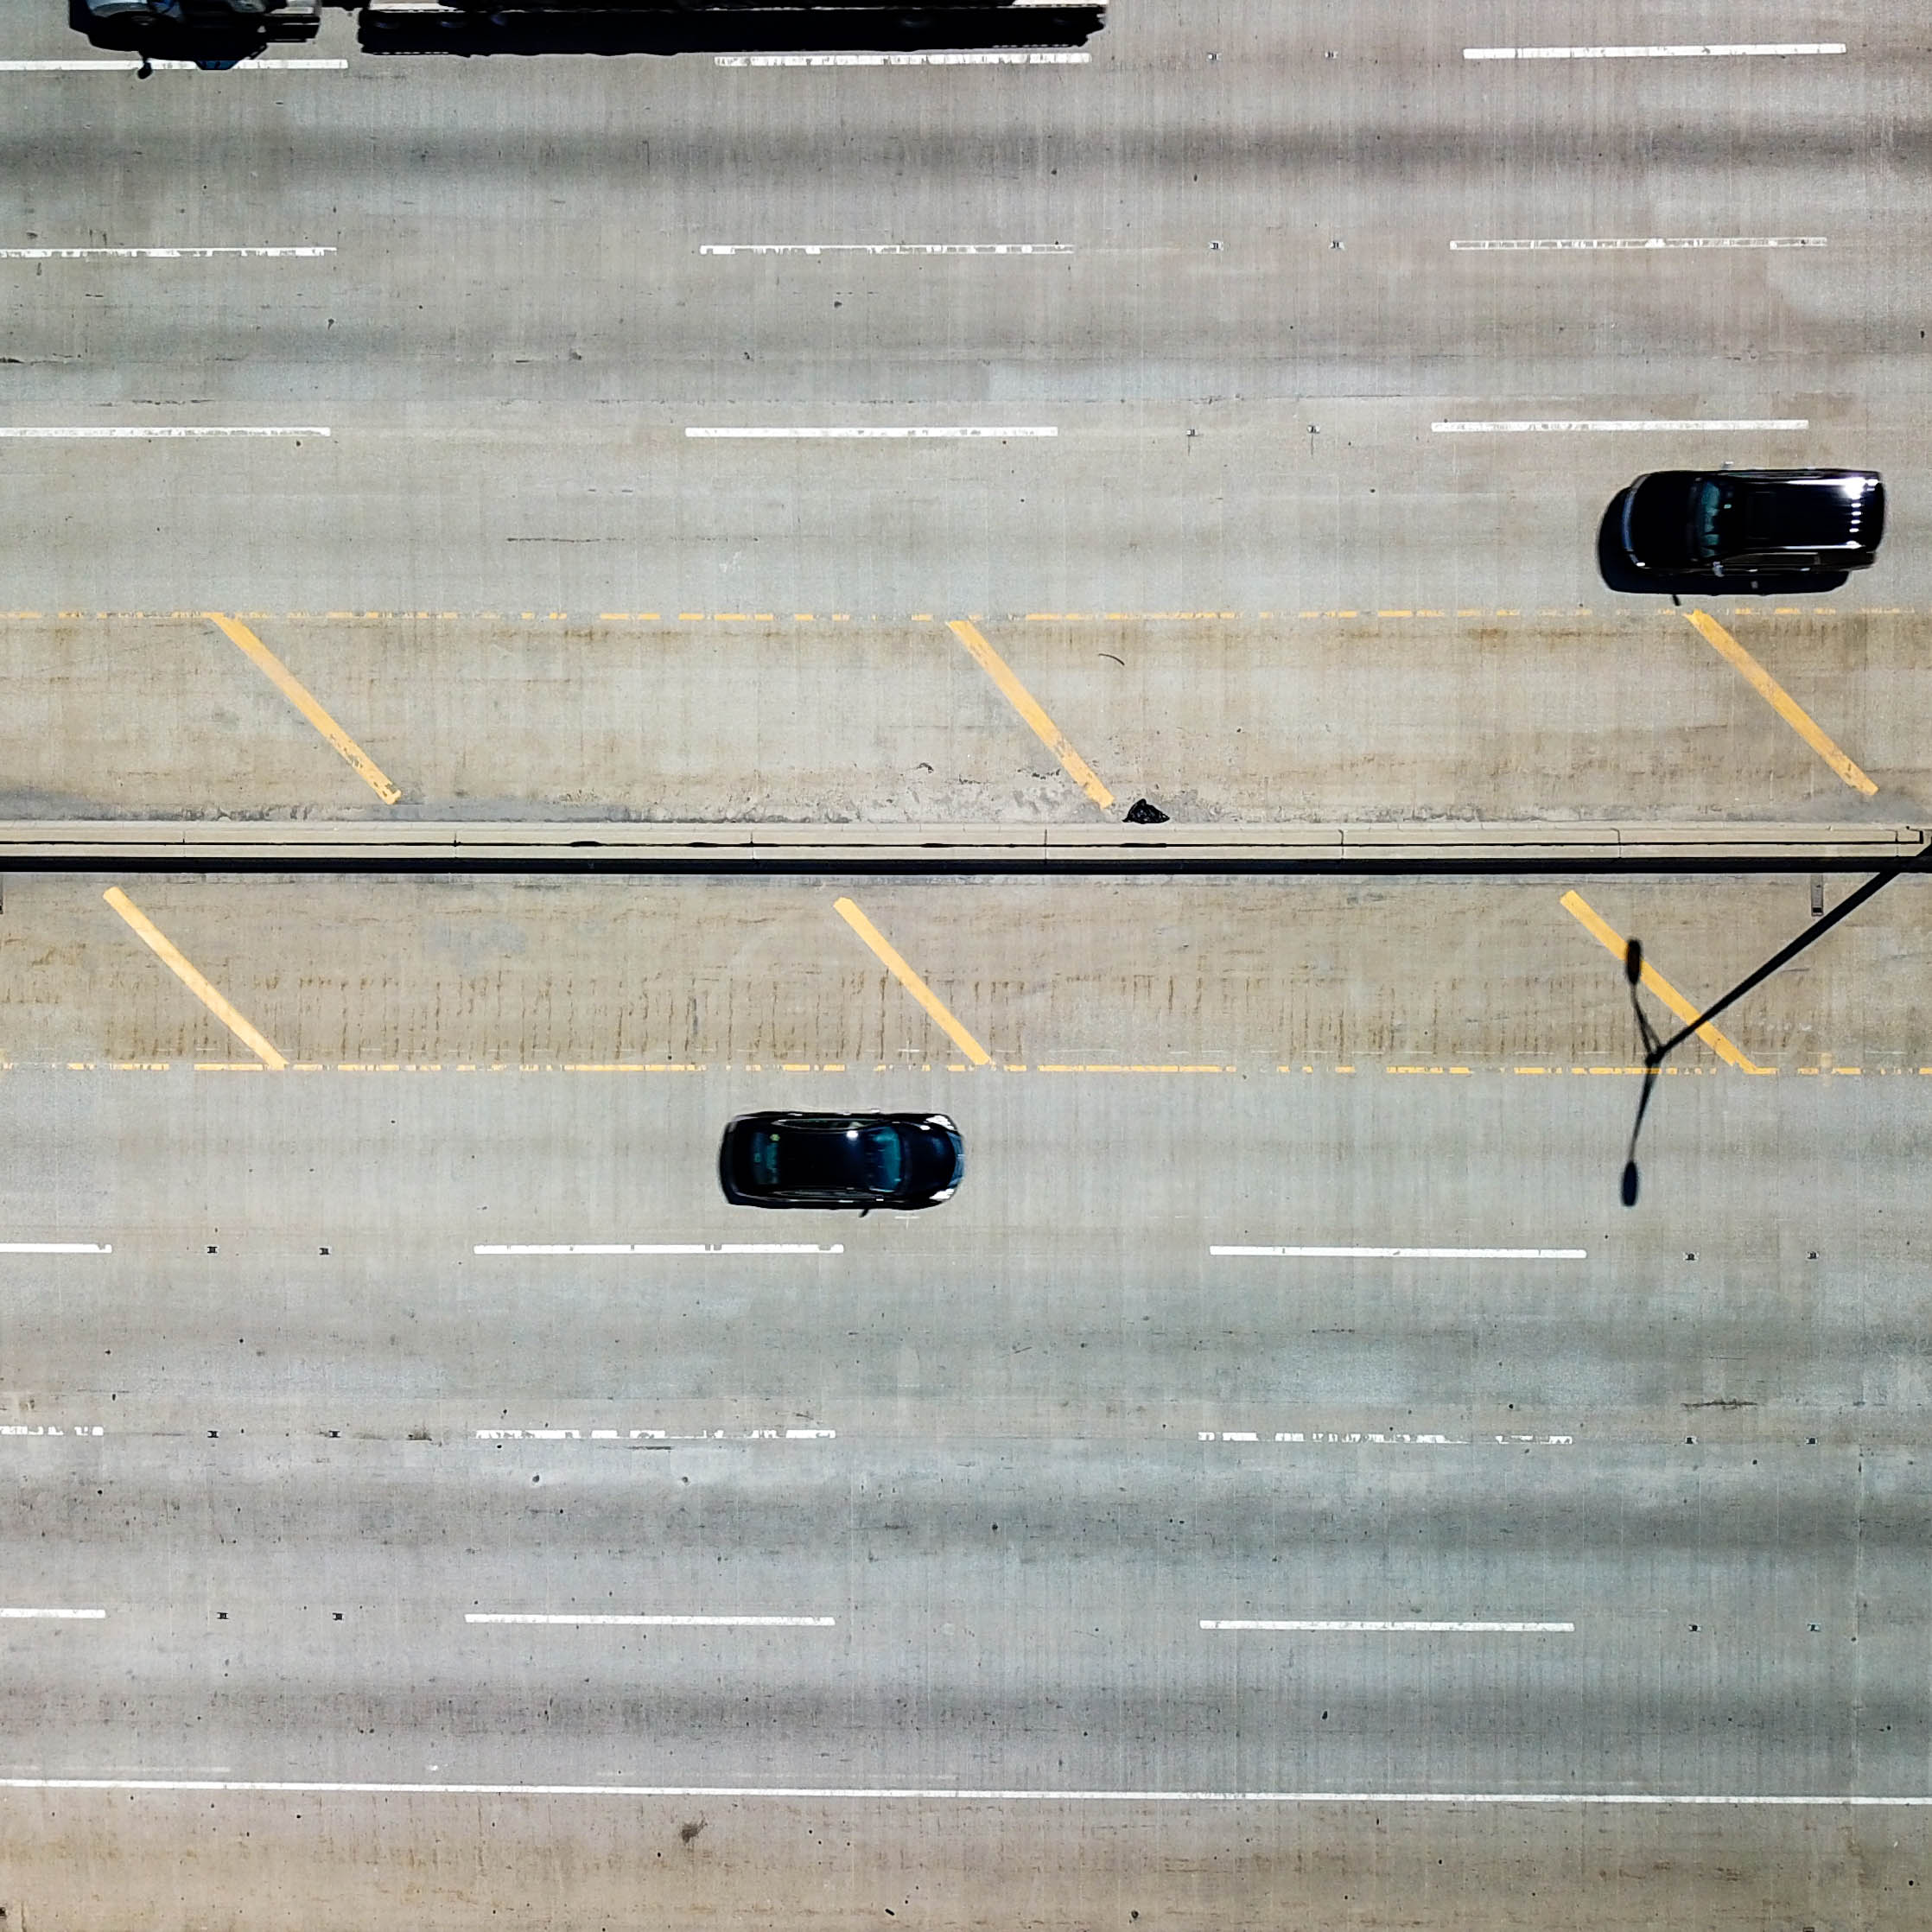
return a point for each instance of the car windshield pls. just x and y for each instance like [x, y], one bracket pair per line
[1709, 502]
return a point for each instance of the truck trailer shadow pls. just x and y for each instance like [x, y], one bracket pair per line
[471, 34]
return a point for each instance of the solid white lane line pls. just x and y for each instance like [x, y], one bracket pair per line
[972, 1793]
[88, 1616]
[1039, 58]
[1660, 425]
[159, 67]
[1591, 243]
[1735, 50]
[847, 433]
[145, 254]
[132, 435]
[886, 248]
[1379, 1625]
[56, 1248]
[660, 1248]
[674, 1623]
[1410, 1254]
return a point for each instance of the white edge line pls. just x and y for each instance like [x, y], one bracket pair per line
[56, 1248]
[160, 66]
[842, 434]
[21, 1611]
[145, 254]
[1658, 425]
[675, 1622]
[1409, 1254]
[660, 1248]
[1737, 49]
[1588, 243]
[1376, 1625]
[969, 1795]
[134, 435]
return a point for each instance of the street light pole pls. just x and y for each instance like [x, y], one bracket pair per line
[1656, 1050]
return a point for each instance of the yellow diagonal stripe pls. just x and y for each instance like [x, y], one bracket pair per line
[298, 695]
[1600, 930]
[1022, 700]
[169, 955]
[1779, 700]
[895, 964]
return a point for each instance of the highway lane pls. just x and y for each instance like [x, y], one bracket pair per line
[1625, 713]
[518, 325]
[289, 1436]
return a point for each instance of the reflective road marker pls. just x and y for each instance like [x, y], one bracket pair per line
[169, 955]
[1612, 942]
[894, 964]
[1021, 699]
[297, 693]
[1779, 700]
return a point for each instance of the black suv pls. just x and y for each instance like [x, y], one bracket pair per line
[1780, 528]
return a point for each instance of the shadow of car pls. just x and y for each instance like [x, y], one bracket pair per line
[1767, 532]
[841, 1160]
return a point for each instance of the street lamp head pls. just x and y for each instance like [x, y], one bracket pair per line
[1633, 960]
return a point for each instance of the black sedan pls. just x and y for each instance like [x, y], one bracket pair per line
[1783, 526]
[841, 1160]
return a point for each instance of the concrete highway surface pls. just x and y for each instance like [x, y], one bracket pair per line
[1285, 1487]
